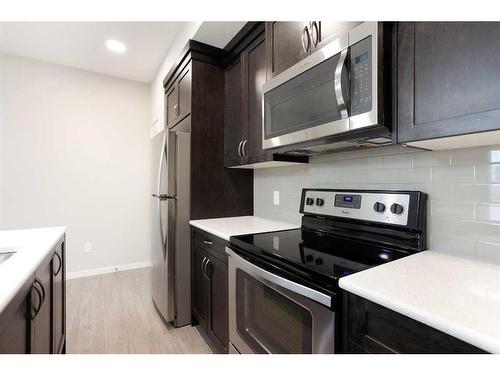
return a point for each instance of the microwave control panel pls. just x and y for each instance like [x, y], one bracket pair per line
[361, 76]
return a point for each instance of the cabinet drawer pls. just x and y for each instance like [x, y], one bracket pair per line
[208, 242]
[375, 329]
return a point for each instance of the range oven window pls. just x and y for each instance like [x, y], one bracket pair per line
[268, 321]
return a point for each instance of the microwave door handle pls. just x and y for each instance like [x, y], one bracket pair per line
[339, 95]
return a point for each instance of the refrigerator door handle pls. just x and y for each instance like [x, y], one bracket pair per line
[163, 157]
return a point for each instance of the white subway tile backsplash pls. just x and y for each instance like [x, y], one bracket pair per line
[453, 174]
[453, 210]
[414, 175]
[478, 193]
[488, 212]
[476, 155]
[398, 161]
[478, 231]
[463, 188]
[488, 174]
[432, 159]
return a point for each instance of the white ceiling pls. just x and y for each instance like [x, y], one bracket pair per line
[217, 34]
[82, 44]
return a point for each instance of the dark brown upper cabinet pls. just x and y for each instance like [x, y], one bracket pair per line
[178, 97]
[448, 79]
[245, 75]
[194, 100]
[244, 78]
[235, 131]
[290, 42]
[287, 44]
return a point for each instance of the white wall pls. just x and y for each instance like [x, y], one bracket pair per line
[74, 151]
[463, 186]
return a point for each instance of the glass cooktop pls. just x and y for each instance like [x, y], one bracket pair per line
[316, 252]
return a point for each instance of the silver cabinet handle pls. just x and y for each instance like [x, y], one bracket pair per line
[203, 266]
[341, 102]
[243, 148]
[206, 269]
[206, 242]
[314, 33]
[306, 39]
[35, 310]
[239, 149]
[175, 111]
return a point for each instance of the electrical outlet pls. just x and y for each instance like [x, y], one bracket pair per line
[276, 199]
[87, 248]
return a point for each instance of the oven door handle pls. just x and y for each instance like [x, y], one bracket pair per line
[305, 291]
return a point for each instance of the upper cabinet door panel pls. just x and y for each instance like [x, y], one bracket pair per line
[324, 32]
[171, 101]
[235, 132]
[284, 45]
[256, 70]
[448, 79]
[184, 88]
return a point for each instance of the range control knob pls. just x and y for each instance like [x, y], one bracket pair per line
[319, 202]
[397, 209]
[379, 207]
[309, 201]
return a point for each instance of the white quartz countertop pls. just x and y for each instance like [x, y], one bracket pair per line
[32, 246]
[233, 226]
[458, 296]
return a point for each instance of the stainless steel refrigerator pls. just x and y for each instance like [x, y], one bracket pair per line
[170, 235]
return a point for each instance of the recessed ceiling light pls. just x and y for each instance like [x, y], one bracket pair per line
[115, 46]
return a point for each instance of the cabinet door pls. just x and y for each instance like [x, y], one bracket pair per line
[448, 79]
[171, 105]
[58, 301]
[199, 285]
[41, 325]
[14, 324]
[219, 321]
[285, 45]
[324, 32]
[184, 88]
[255, 57]
[235, 132]
[374, 329]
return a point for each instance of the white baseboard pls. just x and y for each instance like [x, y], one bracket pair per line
[109, 269]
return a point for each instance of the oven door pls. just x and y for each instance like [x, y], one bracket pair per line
[270, 314]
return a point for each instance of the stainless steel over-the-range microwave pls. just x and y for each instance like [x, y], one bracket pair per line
[338, 97]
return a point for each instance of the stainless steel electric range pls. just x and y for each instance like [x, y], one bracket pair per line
[283, 286]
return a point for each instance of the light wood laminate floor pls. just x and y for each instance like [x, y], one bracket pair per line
[114, 313]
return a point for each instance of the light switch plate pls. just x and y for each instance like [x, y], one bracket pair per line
[87, 248]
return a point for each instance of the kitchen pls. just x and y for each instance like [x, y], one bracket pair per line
[321, 187]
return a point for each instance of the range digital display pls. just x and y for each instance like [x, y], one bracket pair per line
[347, 198]
[361, 58]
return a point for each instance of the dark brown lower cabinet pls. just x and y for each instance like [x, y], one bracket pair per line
[373, 329]
[41, 309]
[35, 320]
[58, 300]
[15, 323]
[209, 289]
